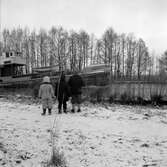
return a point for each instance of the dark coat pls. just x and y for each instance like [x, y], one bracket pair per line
[62, 90]
[76, 83]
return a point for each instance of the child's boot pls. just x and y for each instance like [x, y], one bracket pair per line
[50, 111]
[44, 112]
[59, 112]
[72, 111]
[65, 111]
[79, 110]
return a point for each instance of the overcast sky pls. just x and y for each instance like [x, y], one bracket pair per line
[145, 18]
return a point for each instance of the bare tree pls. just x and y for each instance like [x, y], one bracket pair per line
[125, 54]
[163, 64]
[92, 47]
[123, 43]
[109, 37]
[131, 47]
[142, 50]
[99, 53]
[25, 49]
[32, 40]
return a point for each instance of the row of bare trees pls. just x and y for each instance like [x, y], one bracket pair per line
[126, 55]
[163, 65]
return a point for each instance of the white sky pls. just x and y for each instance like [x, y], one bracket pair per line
[145, 18]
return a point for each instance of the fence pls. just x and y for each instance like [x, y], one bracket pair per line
[127, 90]
[99, 87]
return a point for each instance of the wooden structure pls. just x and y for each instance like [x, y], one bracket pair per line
[12, 65]
[97, 68]
[13, 72]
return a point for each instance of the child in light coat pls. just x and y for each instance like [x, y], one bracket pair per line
[46, 93]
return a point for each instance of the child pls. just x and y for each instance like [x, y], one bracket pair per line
[46, 93]
[62, 93]
[76, 83]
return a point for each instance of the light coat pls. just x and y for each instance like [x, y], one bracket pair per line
[46, 93]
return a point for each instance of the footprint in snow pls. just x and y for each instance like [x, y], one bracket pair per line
[145, 145]
[162, 121]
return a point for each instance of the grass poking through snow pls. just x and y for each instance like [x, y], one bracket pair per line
[57, 158]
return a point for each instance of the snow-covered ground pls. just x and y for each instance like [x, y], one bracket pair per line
[99, 136]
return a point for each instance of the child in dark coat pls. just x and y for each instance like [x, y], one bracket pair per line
[62, 93]
[76, 83]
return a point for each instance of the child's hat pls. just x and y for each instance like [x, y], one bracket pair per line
[46, 79]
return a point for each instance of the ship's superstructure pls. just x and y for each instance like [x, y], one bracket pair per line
[11, 65]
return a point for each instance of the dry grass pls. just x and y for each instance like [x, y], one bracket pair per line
[57, 158]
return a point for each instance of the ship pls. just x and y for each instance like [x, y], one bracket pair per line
[13, 72]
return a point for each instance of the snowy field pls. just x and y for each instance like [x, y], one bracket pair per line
[99, 136]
